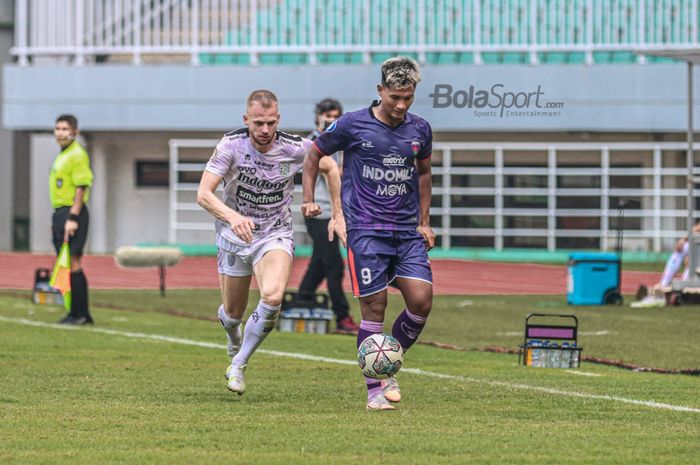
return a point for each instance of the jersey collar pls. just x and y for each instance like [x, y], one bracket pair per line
[375, 103]
[69, 146]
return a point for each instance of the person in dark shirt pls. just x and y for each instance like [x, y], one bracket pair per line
[326, 261]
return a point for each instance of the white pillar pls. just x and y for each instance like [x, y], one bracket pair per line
[42, 150]
[98, 235]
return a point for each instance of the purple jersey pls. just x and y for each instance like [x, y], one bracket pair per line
[258, 185]
[380, 179]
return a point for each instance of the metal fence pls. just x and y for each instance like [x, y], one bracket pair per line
[541, 195]
[310, 31]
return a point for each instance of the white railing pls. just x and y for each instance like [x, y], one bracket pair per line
[492, 171]
[475, 185]
[116, 30]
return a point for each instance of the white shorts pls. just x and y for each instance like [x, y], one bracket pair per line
[238, 260]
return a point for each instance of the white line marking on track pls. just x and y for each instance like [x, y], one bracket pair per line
[314, 358]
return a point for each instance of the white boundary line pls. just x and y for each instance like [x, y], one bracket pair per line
[583, 373]
[415, 371]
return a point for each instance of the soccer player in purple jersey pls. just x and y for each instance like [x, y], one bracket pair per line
[386, 190]
[254, 223]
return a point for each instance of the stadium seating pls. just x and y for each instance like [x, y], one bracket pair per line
[394, 23]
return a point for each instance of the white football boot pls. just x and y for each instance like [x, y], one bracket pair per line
[236, 378]
[391, 390]
[379, 402]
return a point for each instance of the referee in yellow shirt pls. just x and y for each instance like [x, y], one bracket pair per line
[69, 189]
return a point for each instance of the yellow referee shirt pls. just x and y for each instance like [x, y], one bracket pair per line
[70, 170]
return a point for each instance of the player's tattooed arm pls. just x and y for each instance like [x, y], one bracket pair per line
[336, 226]
[311, 167]
[425, 187]
[242, 226]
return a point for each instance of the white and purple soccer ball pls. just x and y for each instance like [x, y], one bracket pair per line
[380, 356]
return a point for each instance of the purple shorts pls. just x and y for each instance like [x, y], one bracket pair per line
[378, 257]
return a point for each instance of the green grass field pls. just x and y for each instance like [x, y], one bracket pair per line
[123, 393]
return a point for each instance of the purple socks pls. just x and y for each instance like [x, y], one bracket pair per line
[367, 328]
[407, 328]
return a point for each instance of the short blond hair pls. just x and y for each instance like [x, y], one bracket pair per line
[262, 96]
[400, 73]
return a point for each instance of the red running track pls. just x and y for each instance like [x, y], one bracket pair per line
[451, 277]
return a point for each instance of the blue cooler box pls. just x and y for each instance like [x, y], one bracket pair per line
[592, 278]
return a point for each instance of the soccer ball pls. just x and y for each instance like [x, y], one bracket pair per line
[380, 356]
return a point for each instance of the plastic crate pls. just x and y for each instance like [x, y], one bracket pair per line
[549, 345]
[305, 320]
[47, 296]
[42, 293]
[305, 313]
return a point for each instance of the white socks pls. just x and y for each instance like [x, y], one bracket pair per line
[260, 323]
[229, 324]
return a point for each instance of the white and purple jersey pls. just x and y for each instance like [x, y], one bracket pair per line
[380, 179]
[258, 185]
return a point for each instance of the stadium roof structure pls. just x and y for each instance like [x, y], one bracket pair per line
[689, 55]
[692, 57]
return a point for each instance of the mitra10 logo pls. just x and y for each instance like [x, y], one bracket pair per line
[496, 101]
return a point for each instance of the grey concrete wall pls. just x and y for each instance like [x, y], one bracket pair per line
[6, 187]
[132, 214]
[21, 176]
[121, 213]
[7, 210]
[7, 11]
[633, 98]
[6, 151]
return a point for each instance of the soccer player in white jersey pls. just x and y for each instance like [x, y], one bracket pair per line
[254, 222]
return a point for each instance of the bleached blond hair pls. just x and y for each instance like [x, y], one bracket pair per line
[400, 73]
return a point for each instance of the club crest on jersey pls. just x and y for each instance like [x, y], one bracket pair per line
[415, 147]
[284, 168]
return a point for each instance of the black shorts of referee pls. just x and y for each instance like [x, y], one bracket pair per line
[77, 242]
